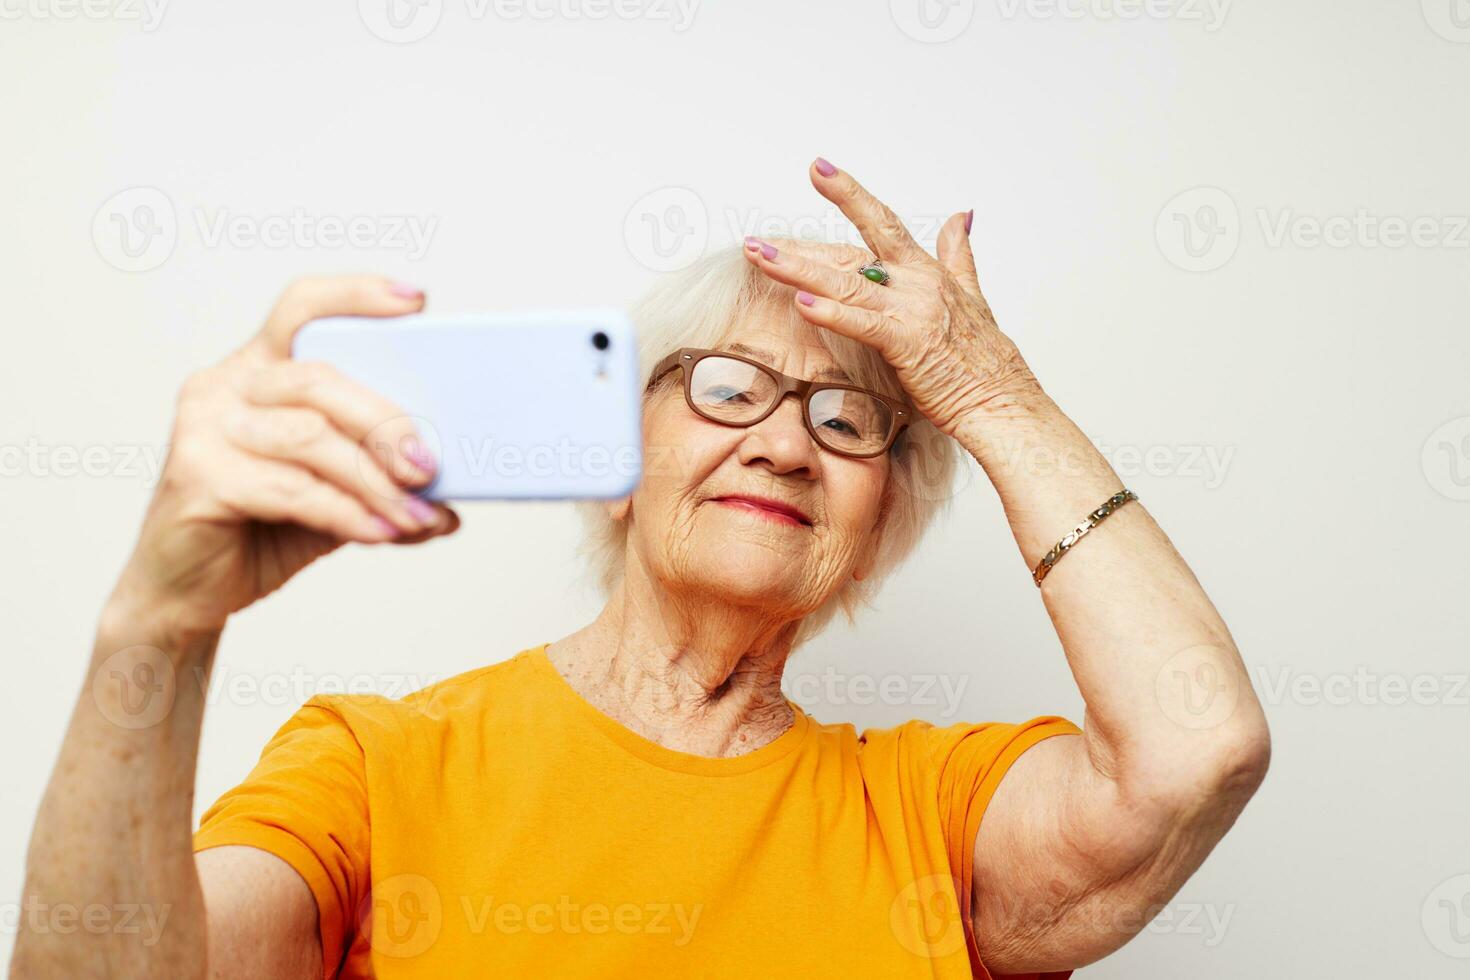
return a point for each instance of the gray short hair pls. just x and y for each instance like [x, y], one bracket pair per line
[697, 307]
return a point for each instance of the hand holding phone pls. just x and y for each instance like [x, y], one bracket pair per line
[270, 467]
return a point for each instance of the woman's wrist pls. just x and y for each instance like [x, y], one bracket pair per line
[992, 432]
[135, 615]
[1048, 474]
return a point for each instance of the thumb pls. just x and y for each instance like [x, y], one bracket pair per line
[954, 251]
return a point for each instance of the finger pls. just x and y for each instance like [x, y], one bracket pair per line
[875, 221]
[839, 255]
[306, 439]
[363, 414]
[955, 253]
[308, 299]
[804, 273]
[448, 524]
[278, 493]
[865, 326]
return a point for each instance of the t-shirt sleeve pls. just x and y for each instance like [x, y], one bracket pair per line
[306, 802]
[971, 760]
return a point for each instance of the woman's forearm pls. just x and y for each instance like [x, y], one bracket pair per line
[1169, 704]
[111, 887]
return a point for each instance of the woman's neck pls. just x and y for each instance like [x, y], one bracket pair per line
[694, 675]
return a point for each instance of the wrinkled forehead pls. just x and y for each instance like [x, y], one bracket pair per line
[772, 332]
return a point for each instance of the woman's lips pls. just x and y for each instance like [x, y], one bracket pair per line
[774, 512]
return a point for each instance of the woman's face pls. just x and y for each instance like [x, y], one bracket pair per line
[692, 541]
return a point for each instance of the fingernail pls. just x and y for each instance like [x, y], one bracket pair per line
[421, 511]
[824, 168]
[382, 528]
[418, 455]
[769, 251]
[752, 243]
[406, 291]
[969, 219]
[805, 298]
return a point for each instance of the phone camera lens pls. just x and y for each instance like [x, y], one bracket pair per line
[600, 341]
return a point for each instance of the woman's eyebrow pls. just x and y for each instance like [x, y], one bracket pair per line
[768, 359]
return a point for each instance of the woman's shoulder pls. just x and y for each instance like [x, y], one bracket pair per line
[438, 702]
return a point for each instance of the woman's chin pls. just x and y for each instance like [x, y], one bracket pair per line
[761, 579]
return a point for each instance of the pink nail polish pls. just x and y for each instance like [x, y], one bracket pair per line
[406, 291]
[752, 243]
[805, 298]
[382, 528]
[969, 219]
[421, 511]
[769, 251]
[824, 168]
[418, 455]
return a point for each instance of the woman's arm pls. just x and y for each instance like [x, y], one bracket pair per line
[270, 468]
[113, 835]
[1085, 837]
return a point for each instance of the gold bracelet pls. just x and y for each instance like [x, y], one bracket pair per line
[1073, 536]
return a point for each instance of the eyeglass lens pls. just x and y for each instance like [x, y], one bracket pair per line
[727, 390]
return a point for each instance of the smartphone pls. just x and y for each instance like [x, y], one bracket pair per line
[537, 405]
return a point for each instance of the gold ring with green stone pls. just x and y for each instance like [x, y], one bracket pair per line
[874, 272]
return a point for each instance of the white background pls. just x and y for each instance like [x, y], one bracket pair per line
[1326, 382]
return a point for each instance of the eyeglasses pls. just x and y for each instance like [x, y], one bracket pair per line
[735, 390]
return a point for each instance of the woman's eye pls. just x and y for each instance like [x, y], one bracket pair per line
[841, 425]
[725, 393]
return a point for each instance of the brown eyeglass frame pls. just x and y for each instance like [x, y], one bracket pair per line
[688, 357]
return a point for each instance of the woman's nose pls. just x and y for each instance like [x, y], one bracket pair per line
[781, 441]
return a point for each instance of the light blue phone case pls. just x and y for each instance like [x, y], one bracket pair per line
[512, 405]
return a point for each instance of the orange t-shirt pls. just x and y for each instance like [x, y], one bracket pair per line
[498, 825]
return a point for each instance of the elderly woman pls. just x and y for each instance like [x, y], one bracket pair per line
[638, 797]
